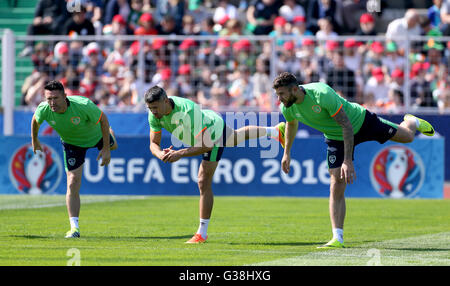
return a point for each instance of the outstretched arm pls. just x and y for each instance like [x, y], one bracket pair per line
[347, 169]
[105, 152]
[291, 132]
[34, 135]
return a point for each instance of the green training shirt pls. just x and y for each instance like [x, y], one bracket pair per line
[320, 105]
[78, 125]
[186, 121]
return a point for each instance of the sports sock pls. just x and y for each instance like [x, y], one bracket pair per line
[338, 233]
[272, 132]
[417, 123]
[203, 227]
[74, 222]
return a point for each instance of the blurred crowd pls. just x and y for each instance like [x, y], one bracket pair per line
[236, 72]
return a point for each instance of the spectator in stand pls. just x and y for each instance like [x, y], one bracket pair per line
[392, 59]
[242, 54]
[369, 102]
[342, 79]
[189, 26]
[207, 27]
[111, 81]
[262, 88]
[168, 26]
[351, 13]
[366, 25]
[281, 27]
[352, 58]
[136, 7]
[224, 10]
[445, 18]
[198, 11]
[319, 9]
[397, 79]
[299, 27]
[88, 83]
[325, 58]
[94, 13]
[434, 14]
[421, 92]
[204, 87]
[61, 60]
[92, 58]
[241, 88]
[174, 8]
[326, 30]
[41, 57]
[147, 25]
[373, 58]
[232, 27]
[78, 24]
[291, 9]
[185, 82]
[117, 27]
[71, 82]
[377, 85]
[222, 55]
[288, 60]
[260, 16]
[443, 97]
[402, 27]
[49, 17]
[395, 102]
[219, 90]
[117, 55]
[33, 88]
[116, 7]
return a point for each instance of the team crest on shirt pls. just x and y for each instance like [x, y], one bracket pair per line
[332, 159]
[316, 108]
[75, 120]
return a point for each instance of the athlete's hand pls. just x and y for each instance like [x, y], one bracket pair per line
[286, 163]
[171, 156]
[348, 172]
[105, 154]
[36, 146]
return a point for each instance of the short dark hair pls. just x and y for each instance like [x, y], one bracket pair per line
[155, 93]
[285, 79]
[54, 85]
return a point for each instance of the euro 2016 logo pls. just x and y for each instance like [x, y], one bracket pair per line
[397, 172]
[35, 173]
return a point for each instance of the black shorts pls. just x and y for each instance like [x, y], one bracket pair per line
[216, 153]
[373, 128]
[74, 155]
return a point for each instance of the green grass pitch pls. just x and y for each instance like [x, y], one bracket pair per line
[130, 230]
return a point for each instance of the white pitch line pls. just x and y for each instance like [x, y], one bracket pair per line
[432, 249]
[42, 202]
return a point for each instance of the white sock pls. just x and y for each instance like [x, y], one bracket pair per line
[272, 132]
[203, 227]
[417, 123]
[74, 222]
[338, 233]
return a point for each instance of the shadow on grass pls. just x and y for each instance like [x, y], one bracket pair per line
[31, 236]
[279, 243]
[417, 249]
